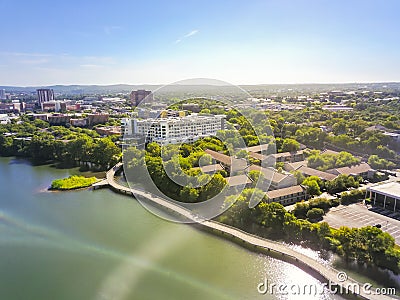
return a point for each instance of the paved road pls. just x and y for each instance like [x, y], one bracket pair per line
[327, 272]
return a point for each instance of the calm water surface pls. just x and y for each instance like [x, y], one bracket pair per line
[99, 245]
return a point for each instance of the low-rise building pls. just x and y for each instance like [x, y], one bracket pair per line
[138, 96]
[7, 108]
[289, 156]
[193, 107]
[386, 195]
[336, 108]
[43, 117]
[306, 171]
[287, 196]
[94, 119]
[73, 107]
[4, 119]
[263, 148]
[293, 166]
[55, 105]
[108, 130]
[58, 119]
[210, 169]
[78, 122]
[238, 180]
[395, 137]
[376, 127]
[230, 163]
[363, 169]
[277, 180]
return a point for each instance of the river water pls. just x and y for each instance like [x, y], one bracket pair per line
[100, 245]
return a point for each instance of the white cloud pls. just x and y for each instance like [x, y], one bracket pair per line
[37, 61]
[90, 66]
[189, 34]
[193, 32]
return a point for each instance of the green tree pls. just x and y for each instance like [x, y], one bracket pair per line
[379, 163]
[315, 214]
[341, 183]
[299, 176]
[312, 184]
[339, 127]
[188, 194]
[105, 153]
[271, 215]
[300, 210]
[213, 187]
[290, 145]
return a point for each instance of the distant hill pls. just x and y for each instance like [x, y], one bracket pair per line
[126, 88]
[82, 89]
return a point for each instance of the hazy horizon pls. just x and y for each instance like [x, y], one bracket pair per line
[157, 42]
[177, 83]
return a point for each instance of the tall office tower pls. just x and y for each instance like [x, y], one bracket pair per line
[45, 95]
[2, 94]
[139, 95]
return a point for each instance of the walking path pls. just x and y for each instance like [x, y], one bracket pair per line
[306, 263]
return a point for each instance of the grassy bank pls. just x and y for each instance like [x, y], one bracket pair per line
[72, 183]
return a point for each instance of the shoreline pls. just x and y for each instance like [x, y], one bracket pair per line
[247, 240]
[261, 249]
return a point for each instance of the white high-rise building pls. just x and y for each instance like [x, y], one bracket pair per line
[175, 130]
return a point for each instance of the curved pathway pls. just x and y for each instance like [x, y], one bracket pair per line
[327, 272]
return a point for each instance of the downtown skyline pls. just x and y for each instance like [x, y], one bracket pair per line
[265, 42]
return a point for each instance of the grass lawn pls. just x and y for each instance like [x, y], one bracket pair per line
[72, 182]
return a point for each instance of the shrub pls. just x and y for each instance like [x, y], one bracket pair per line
[352, 196]
[315, 214]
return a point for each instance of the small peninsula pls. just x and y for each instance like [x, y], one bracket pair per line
[72, 182]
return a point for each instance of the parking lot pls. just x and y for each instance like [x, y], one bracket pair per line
[358, 215]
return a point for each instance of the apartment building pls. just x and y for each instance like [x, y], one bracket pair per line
[287, 196]
[175, 130]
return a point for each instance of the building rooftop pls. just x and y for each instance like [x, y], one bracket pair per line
[288, 154]
[238, 180]
[285, 192]
[353, 170]
[391, 189]
[223, 158]
[313, 172]
[257, 156]
[295, 165]
[269, 173]
[190, 118]
[258, 148]
[211, 168]
[391, 134]
[327, 151]
[376, 127]
[227, 160]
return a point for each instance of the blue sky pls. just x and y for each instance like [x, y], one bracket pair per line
[158, 42]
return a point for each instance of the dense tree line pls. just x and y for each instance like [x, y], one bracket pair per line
[367, 244]
[174, 169]
[326, 161]
[67, 146]
[380, 163]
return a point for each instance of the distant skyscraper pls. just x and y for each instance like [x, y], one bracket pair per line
[45, 95]
[139, 95]
[2, 94]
